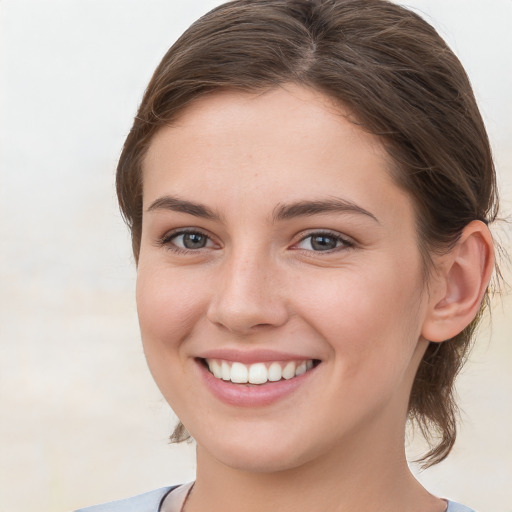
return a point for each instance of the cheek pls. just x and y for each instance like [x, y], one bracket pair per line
[169, 307]
[368, 317]
[165, 301]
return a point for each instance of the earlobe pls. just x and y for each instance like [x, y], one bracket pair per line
[466, 271]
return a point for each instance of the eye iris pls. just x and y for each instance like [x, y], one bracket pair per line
[323, 242]
[194, 240]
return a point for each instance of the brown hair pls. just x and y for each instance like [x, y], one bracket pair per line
[401, 81]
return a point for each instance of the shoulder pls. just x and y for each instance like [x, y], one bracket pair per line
[147, 502]
[457, 507]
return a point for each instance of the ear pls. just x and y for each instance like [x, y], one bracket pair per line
[460, 283]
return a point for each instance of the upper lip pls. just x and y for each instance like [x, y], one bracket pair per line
[252, 356]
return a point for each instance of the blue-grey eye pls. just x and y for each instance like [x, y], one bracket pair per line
[322, 242]
[191, 240]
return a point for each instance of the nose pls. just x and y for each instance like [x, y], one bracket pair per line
[250, 295]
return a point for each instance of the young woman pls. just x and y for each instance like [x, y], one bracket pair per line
[308, 185]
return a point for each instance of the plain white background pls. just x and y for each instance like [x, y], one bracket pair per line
[81, 421]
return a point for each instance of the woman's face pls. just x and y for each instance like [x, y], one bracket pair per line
[276, 248]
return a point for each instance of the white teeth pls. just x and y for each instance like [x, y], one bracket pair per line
[275, 373]
[216, 369]
[257, 373]
[226, 371]
[239, 373]
[289, 370]
[300, 369]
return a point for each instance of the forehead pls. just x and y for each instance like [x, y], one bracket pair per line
[283, 143]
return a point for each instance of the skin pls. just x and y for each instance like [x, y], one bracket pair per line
[360, 308]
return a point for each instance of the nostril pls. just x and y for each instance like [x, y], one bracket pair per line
[245, 302]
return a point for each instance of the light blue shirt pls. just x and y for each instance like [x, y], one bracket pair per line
[151, 502]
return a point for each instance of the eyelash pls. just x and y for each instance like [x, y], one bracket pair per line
[167, 241]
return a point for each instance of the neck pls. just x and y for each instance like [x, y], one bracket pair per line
[368, 477]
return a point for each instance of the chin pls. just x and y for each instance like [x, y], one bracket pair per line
[258, 460]
[255, 453]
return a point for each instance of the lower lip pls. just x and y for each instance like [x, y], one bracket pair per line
[251, 395]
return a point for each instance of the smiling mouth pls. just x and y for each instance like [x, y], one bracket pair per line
[258, 373]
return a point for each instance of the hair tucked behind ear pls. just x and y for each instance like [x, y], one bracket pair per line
[432, 405]
[400, 80]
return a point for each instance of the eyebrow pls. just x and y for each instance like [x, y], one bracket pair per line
[181, 205]
[307, 208]
[281, 212]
